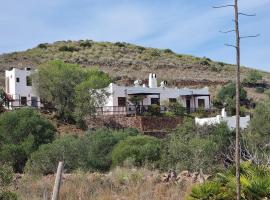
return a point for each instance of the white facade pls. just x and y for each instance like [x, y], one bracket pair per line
[19, 88]
[231, 121]
[189, 98]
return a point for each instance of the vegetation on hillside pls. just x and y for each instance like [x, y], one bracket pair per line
[124, 61]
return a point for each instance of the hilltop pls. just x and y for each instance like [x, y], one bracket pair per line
[127, 62]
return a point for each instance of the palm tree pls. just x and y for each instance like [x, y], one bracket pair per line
[255, 182]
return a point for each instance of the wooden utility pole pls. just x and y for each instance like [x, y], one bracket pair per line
[237, 130]
[238, 86]
[57, 182]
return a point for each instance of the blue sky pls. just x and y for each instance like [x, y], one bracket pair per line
[185, 26]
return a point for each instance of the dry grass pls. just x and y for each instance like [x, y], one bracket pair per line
[120, 184]
[125, 61]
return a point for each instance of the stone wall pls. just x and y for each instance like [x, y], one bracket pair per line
[142, 123]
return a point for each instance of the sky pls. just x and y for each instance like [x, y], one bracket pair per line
[184, 26]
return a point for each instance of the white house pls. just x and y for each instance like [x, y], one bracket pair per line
[231, 121]
[119, 99]
[19, 88]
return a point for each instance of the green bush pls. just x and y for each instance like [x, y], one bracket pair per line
[155, 53]
[168, 51]
[89, 152]
[226, 97]
[253, 77]
[21, 133]
[205, 63]
[6, 178]
[46, 158]
[139, 149]
[68, 48]
[42, 46]
[86, 44]
[176, 108]
[154, 110]
[259, 90]
[120, 44]
[194, 148]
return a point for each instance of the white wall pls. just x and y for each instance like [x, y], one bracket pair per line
[231, 121]
[20, 89]
[165, 93]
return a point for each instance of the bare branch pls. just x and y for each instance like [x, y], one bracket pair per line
[248, 15]
[224, 6]
[230, 45]
[250, 36]
[227, 31]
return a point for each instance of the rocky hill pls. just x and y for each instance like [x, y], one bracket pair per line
[127, 62]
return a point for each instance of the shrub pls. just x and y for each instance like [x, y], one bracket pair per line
[253, 77]
[6, 178]
[259, 90]
[98, 148]
[255, 183]
[89, 152]
[226, 97]
[22, 132]
[68, 48]
[155, 53]
[140, 149]
[42, 46]
[120, 44]
[193, 148]
[176, 109]
[46, 158]
[205, 63]
[86, 44]
[168, 51]
[154, 110]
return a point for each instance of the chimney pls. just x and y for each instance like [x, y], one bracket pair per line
[152, 80]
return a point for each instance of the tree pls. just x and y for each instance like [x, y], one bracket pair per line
[63, 85]
[21, 133]
[90, 94]
[227, 97]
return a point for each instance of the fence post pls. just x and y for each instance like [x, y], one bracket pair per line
[57, 182]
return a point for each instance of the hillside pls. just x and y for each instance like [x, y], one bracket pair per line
[127, 62]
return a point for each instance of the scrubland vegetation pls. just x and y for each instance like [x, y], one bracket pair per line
[124, 164]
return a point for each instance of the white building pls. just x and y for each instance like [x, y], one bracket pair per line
[119, 100]
[19, 88]
[231, 121]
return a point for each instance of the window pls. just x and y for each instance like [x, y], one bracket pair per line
[28, 81]
[23, 101]
[7, 85]
[121, 101]
[172, 100]
[155, 101]
[17, 80]
[34, 101]
[201, 103]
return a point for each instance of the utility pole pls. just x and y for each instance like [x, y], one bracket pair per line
[237, 130]
[238, 86]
